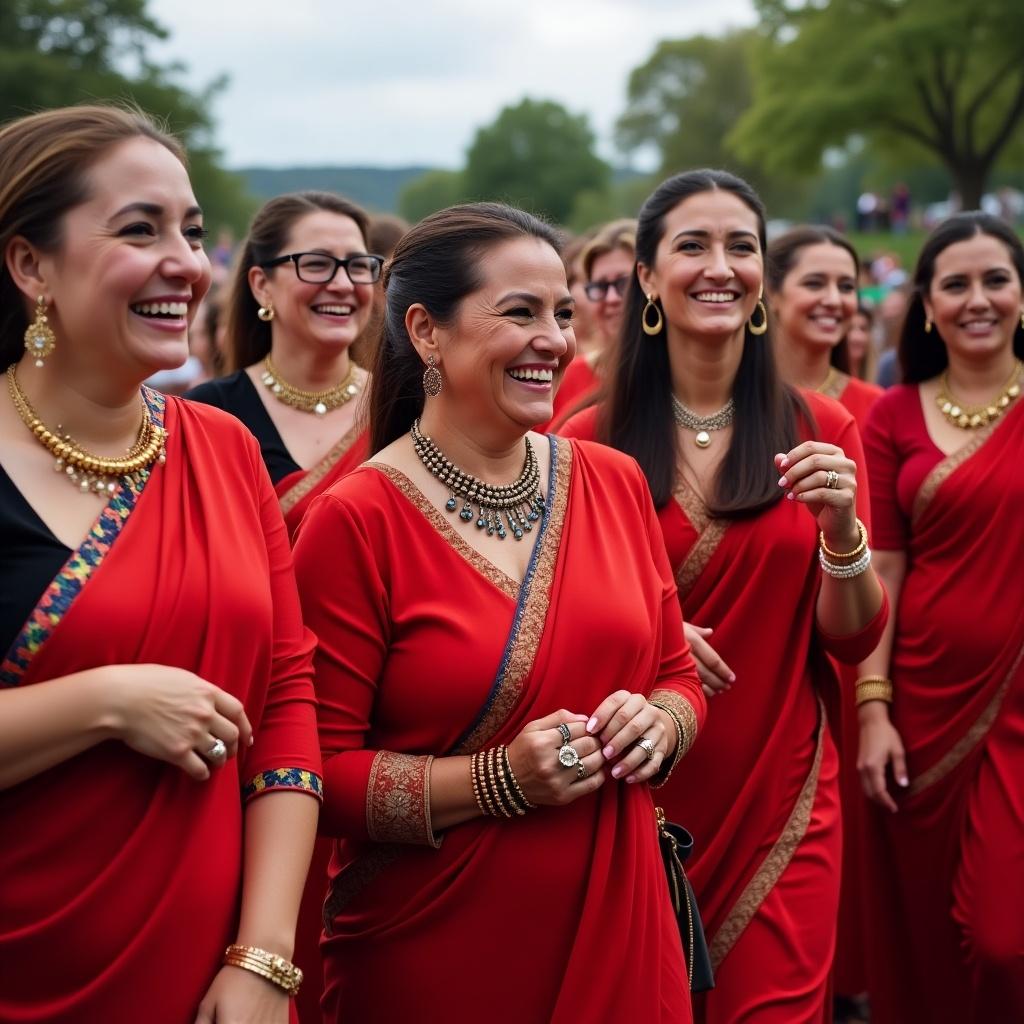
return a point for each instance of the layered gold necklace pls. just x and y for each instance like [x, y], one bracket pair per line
[319, 403]
[88, 472]
[971, 417]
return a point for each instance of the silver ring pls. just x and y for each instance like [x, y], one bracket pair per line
[832, 480]
[564, 730]
[581, 771]
[217, 752]
[568, 756]
[645, 744]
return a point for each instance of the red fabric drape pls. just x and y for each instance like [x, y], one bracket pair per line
[426, 648]
[121, 876]
[579, 382]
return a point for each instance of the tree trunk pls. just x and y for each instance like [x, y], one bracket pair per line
[969, 178]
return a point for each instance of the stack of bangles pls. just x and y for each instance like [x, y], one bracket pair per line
[495, 785]
[278, 971]
[873, 688]
[845, 565]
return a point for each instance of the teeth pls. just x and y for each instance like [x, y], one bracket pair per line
[543, 376]
[335, 310]
[716, 296]
[161, 308]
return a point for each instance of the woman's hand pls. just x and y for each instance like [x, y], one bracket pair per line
[805, 475]
[544, 780]
[715, 675]
[880, 746]
[620, 722]
[173, 715]
[238, 996]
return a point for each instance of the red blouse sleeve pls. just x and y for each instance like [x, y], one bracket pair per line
[891, 529]
[285, 754]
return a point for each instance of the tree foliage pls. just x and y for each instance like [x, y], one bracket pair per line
[943, 75]
[429, 193]
[536, 155]
[55, 53]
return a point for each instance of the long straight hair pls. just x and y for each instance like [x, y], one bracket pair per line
[637, 416]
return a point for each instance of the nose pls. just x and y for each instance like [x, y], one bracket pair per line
[832, 296]
[340, 283]
[718, 268]
[183, 261]
[552, 339]
[976, 297]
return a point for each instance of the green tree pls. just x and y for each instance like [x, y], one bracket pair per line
[685, 100]
[58, 52]
[536, 155]
[944, 76]
[429, 193]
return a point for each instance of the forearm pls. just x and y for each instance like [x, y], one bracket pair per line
[848, 606]
[451, 793]
[279, 831]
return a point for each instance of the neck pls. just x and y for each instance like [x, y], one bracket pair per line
[494, 457]
[310, 369]
[979, 380]
[100, 410]
[704, 369]
[803, 366]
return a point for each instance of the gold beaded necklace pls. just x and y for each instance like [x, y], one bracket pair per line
[317, 402]
[971, 417]
[88, 472]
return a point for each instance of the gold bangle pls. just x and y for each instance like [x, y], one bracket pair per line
[665, 772]
[276, 969]
[474, 777]
[845, 557]
[873, 688]
[506, 788]
[517, 789]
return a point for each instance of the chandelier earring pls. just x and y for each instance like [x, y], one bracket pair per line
[760, 328]
[40, 340]
[432, 380]
[266, 313]
[651, 329]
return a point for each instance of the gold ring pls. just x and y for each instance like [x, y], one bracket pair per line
[832, 480]
[581, 771]
[645, 744]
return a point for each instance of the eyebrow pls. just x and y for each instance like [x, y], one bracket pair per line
[533, 299]
[965, 273]
[152, 210]
[707, 234]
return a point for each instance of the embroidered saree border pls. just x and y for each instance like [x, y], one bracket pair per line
[299, 779]
[316, 473]
[709, 535]
[771, 868]
[83, 562]
[945, 469]
[398, 799]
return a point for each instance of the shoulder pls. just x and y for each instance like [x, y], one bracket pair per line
[830, 418]
[216, 424]
[220, 392]
[897, 407]
[583, 425]
[604, 463]
[862, 389]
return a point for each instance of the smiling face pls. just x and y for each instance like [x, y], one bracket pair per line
[322, 316]
[975, 297]
[818, 297]
[614, 266]
[131, 271]
[708, 266]
[503, 356]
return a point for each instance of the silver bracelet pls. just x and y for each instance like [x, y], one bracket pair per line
[845, 572]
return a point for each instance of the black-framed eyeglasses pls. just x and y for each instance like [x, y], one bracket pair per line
[597, 290]
[321, 267]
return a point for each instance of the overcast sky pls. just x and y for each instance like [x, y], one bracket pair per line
[388, 84]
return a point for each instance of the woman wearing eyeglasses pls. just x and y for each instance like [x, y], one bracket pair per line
[302, 293]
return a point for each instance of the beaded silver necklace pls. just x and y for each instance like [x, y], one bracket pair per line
[703, 425]
[520, 503]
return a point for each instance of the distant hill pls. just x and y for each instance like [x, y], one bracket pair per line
[376, 188]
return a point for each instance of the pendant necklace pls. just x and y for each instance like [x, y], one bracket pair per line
[317, 402]
[703, 425]
[971, 417]
[521, 503]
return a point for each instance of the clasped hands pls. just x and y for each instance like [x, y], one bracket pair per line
[606, 743]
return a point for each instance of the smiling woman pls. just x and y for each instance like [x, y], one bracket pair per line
[133, 695]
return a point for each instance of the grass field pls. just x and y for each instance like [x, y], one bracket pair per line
[905, 246]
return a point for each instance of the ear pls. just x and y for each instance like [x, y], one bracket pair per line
[646, 278]
[422, 330]
[27, 267]
[259, 285]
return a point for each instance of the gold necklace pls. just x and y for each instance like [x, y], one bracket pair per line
[971, 417]
[317, 402]
[703, 425]
[86, 471]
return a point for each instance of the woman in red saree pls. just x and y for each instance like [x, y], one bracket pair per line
[302, 294]
[761, 616]
[531, 890]
[811, 277]
[946, 908]
[156, 676]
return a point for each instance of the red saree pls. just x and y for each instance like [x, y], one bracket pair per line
[426, 648]
[947, 871]
[579, 383]
[762, 802]
[121, 874]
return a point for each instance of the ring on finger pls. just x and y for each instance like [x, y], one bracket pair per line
[568, 756]
[647, 746]
[832, 480]
[581, 771]
[564, 730]
[217, 752]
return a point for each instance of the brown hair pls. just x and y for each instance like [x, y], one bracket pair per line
[247, 337]
[436, 264]
[619, 234]
[44, 163]
[783, 252]
[385, 233]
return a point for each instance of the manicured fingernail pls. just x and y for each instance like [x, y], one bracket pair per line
[790, 495]
[252, 740]
[783, 481]
[617, 771]
[609, 751]
[631, 779]
[784, 463]
[732, 677]
[592, 724]
[904, 781]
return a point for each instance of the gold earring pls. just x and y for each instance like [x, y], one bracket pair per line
[928, 324]
[649, 328]
[432, 381]
[40, 340]
[266, 313]
[763, 325]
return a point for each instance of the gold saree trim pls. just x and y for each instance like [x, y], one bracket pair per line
[316, 473]
[398, 799]
[949, 465]
[709, 535]
[970, 739]
[778, 858]
[677, 705]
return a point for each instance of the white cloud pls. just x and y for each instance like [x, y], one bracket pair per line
[384, 83]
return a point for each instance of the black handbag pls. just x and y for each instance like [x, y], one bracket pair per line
[676, 846]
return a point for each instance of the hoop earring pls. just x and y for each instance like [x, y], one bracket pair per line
[432, 380]
[40, 340]
[928, 324]
[652, 329]
[266, 313]
[763, 325]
